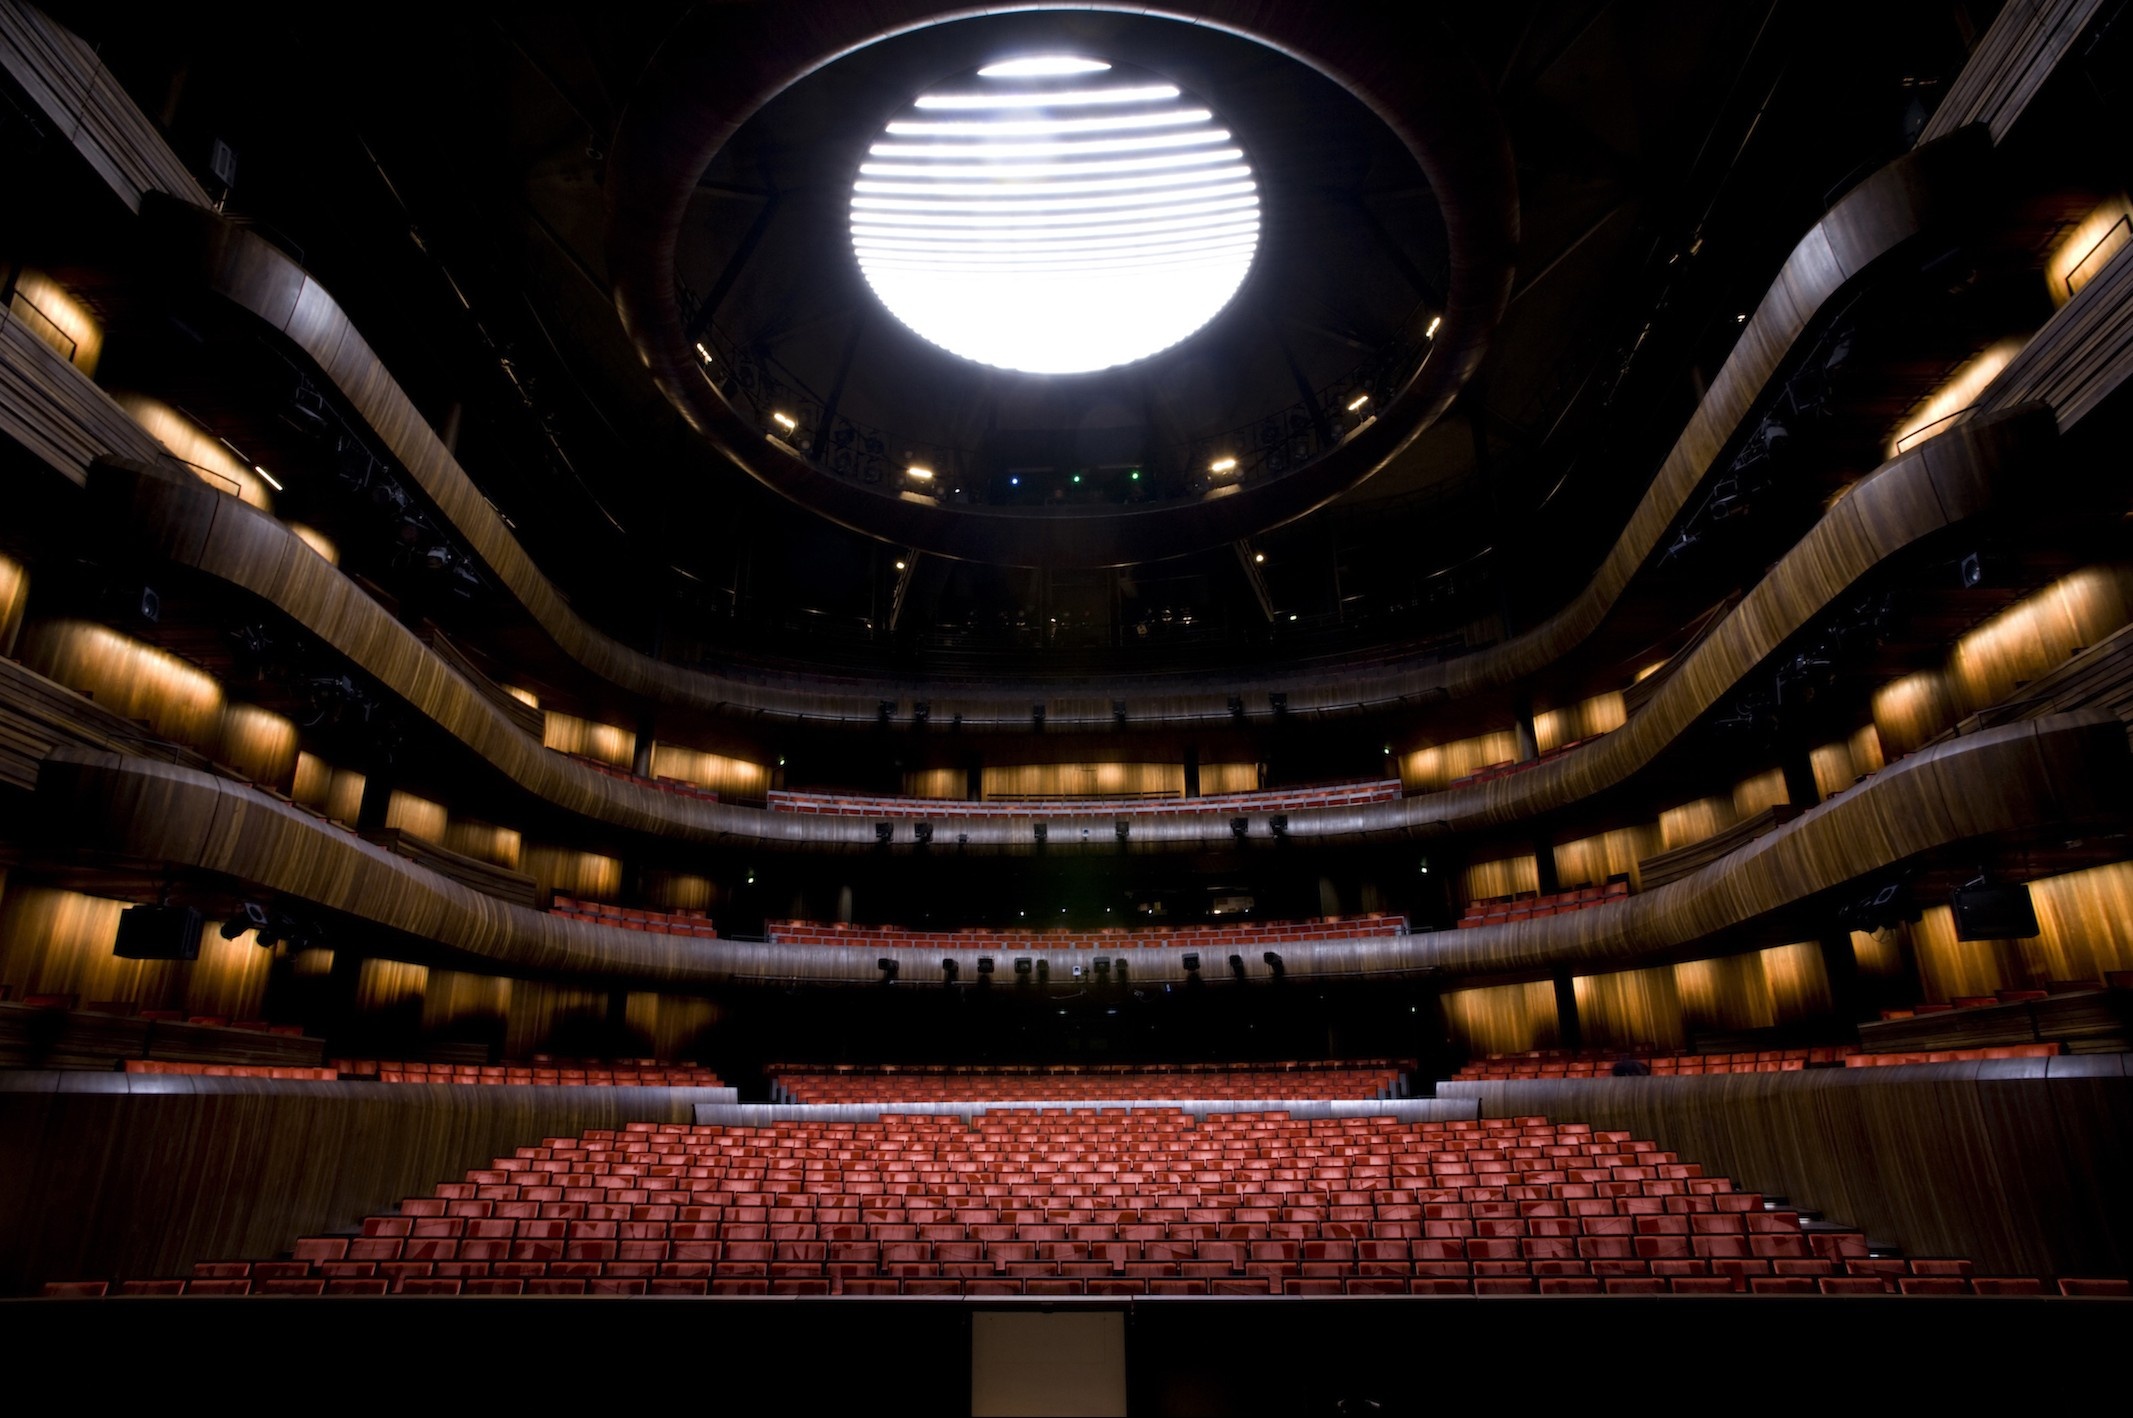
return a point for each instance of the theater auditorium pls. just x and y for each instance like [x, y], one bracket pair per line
[1067, 708]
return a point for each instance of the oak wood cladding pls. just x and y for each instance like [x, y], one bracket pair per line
[2066, 770]
[1942, 483]
[148, 1175]
[2022, 1165]
[2020, 51]
[1929, 188]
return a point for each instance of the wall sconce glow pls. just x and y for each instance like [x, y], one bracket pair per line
[924, 475]
[785, 421]
[1435, 323]
[1357, 402]
[1941, 410]
[1035, 218]
[1223, 465]
[271, 481]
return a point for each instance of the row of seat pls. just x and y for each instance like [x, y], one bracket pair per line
[675, 786]
[1919, 1056]
[687, 1279]
[1975, 1002]
[1245, 936]
[1084, 1201]
[1602, 1063]
[1528, 905]
[689, 923]
[1269, 800]
[1243, 1084]
[1087, 1070]
[1493, 771]
[217, 1070]
[646, 1073]
[127, 1009]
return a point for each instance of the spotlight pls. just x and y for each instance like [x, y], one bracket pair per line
[922, 832]
[1191, 962]
[883, 831]
[984, 965]
[884, 710]
[1258, 558]
[950, 968]
[887, 966]
[1223, 465]
[1278, 702]
[1972, 571]
[1044, 968]
[1236, 966]
[1236, 706]
[1122, 829]
[1022, 965]
[1238, 826]
[924, 475]
[1103, 964]
[1355, 404]
[1436, 323]
[1038, 832]
[1036, 717]
[785, 421]
[1278, 824]
[1273, 962]
[921, 711]
[1118, 711]
[1122, 972]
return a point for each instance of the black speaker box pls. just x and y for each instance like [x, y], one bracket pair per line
[1993, 913]
[158, 933]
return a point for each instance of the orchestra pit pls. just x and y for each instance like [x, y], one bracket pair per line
[1067, 708]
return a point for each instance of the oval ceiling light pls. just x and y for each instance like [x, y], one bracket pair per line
[1055, 216]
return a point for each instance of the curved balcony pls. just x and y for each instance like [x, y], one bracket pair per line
[1926, 191]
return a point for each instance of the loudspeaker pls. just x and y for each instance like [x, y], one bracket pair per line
[158, 933]
[1993, 913]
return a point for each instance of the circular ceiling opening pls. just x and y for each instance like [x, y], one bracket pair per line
[1055, 214]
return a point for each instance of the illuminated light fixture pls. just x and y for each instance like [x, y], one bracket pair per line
[1258, 557]
[1051, 216]
[1436, 322]
[706, 354]
[1042, 66]
[271, 482]
[1223, 465]
[924, 475]
[1357, 402]
[785, 421]
[899, 566]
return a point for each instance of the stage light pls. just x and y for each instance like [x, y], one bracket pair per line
[271, 482]
[1191, 962]
[1273, 961]
[1357, 402]
[924, 475]
[1431, 332]
[704, 353]
[984, 965]
[1042, 66]
[785, 421]
[950, 968]
[1236, 966]
[1223, 465]
[899, 566]
[887, 965]
[1258, 558]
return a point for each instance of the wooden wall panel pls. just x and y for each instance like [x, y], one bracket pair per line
[1839, 765]
[1590, 861]
[258, 744]
[1433, 769]
[1506, 876]
[1912, 710]
[483, 841]
[417, 817]
[2087, 247]
[609, 743]
[2085, 922]
[1625, 1008]
[318, 541]
[146, 1184]
[133, 680]
[229, 979]
[586, 875]
[1588, 718]
[14, 596]
[1759, 793]
[942, 784]
[1502, 1019]
[458, 1004]
[196, 448]
[728, 777]
[684, 1026]
[2022, 1172]
[1217, 779]
[548, 1018]
[1009, 782]
[1688, 823]
[54, 315]
[59, 942]
[679, 891]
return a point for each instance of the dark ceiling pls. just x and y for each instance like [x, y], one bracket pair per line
[442, 171]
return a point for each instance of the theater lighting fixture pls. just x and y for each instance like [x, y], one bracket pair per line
[1435, 322]
[1054, 216]
[1357, 402]
[271, 482]
[785, 421]
[899, 566]
[924, 475]
[1223, 465]
[703, 353]
[1258, 558]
